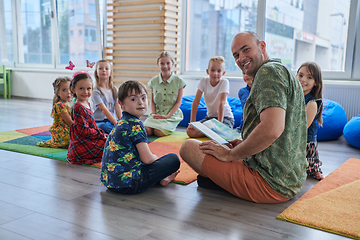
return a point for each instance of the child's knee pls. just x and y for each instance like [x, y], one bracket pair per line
[189, 132]
[175, 158]
[149, 131]
[193, 133]
[159, 133]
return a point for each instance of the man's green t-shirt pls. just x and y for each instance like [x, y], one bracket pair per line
[282, 164]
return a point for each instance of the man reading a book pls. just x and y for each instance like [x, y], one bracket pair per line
[268, 165]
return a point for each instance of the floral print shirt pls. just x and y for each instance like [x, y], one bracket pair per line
[283, 164]
[121, 161]
[59, 130]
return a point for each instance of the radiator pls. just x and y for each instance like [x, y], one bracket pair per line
[347, 95]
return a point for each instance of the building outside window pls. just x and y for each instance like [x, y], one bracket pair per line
[294, 31]
[6, 34]
[90, 34]
[41, 42]
[35, 35]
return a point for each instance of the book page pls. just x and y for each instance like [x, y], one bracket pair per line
[208, 132]
[222, 130]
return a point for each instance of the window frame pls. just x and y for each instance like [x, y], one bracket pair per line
[350, 54]
[355, 69]
[56, 63]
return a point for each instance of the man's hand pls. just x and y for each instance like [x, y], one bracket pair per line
[234, 143]
[220, 152]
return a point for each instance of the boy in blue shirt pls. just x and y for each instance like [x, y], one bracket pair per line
[128, 166]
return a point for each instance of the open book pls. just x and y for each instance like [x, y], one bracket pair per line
[216, 130]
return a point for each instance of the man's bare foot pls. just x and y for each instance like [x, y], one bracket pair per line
[318, 175]
[169, 178]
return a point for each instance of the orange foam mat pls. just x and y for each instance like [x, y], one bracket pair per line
[34, 130]
[159, 147]
[333, 204]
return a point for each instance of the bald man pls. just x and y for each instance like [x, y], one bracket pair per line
[268, 165]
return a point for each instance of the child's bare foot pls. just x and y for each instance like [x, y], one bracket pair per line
[169, 178]
[318, 175]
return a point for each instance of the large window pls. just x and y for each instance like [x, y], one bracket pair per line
[294, 30]
[211, 26]
[35, 32]
[6, 34]
[308, 30]
[77, 31]
[50, 33]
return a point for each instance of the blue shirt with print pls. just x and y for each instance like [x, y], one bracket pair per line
[121, 161]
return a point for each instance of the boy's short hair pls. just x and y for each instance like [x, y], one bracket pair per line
[219, 59]
[129, 86]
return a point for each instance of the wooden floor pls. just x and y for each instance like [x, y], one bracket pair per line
[42, 198]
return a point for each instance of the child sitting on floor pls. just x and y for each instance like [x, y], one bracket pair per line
[86, 139]
[166, 96]
[216, 90]
[244, 94]
[128, 166]
[310, 77]
[61, 114]
[105, 106]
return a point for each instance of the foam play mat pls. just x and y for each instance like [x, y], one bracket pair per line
[333, 204]
[25, 140]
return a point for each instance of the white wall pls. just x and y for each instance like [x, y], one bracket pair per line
[34, 83]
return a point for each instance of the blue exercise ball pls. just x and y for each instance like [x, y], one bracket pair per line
[185, 107]
[334, 120]
[352, 132]
[187, 101]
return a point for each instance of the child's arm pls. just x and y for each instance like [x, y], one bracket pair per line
[118, 110]
[152, 104]
[67, 118]
[83, 127]
[107, 113]
[311, 110]
[195, 105]
[222, 100]
[146, 155]
[63, 111]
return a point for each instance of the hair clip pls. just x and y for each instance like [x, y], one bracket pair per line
[71, 66]
[89, 64]
[80, 72]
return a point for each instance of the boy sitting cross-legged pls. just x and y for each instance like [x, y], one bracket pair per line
[215, 89]
[128, 166]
